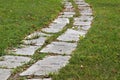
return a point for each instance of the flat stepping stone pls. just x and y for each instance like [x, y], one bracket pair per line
[71, 35]
[57, 25]
[62, 20]
[80, 23]
[86, 13]
[66, 16]
[68, 13]
[37, 42]
[85, 28]
[54, 28]
[36, 34]
[41, 79]
[59, 48]
[13, 61]
[27, 50]
[5, 74]
[84, 18]
[50, 64]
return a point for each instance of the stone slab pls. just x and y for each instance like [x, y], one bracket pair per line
[86, 28]
[41, 79]
[59, 48]
[66, 16]
[13, 61]
[54, 28]
[5, 74]
[37, 42]
[40, 34]
[62, 20]
[71, 35]
[68, 13]
[80, 23]
[86, 13]
[50, 64]
[84, 18]
[26, 50]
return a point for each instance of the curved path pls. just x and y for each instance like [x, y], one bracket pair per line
[58, 51]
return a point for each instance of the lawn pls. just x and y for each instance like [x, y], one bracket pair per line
[97, 56]
[18, 18]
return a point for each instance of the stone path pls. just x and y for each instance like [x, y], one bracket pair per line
[61, 48]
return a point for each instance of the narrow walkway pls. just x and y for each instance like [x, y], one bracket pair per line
[67, 27]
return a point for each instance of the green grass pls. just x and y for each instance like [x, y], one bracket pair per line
[18, 18]
[98, 55]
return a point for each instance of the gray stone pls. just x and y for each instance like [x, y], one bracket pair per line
[54, 28]
[5, 74]
[41, 79]
[84, 18]
[27, 50]
[13, 61]
[86, 13]
[40, 34]
[83, 4]
[68, 13]
[62, 20]
[71, 35]
[68, 3]
[39, 41]
[68, 6]
[86, 28]
[59, 48]
[66, 16]
[79, 23]
[50, 64]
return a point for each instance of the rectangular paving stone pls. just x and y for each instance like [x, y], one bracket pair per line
[79, 23]
[54, 28]
[27, 50]
[37, 42]
[59, 48]
[66, 16]
[50, 64]
[13, 61]
[40, 34]
[62, 20]
[68, 13]
[5, 74]
[86, 13]
[86, 28]
[71, 35]
[41, 79]
[84, 18]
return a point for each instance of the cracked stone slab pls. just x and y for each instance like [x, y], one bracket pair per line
[54, 28]
[37, 42]
[71, 35]
[41, 79]
[59, 48]
[13, 61]
[5, 74]
[50, 64]
[38, 34]
[26, 50]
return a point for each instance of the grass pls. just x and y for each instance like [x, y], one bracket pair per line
[18, 18]
[98, 55]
